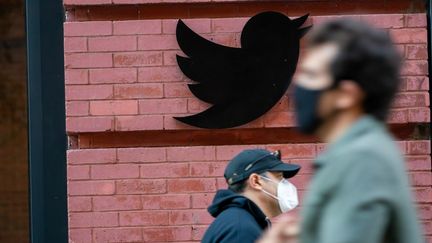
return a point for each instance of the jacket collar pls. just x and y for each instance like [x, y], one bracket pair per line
[363, 125]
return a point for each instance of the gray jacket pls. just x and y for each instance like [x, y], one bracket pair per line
[360, 192]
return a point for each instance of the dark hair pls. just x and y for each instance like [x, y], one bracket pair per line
[240, 186]
[367, 56]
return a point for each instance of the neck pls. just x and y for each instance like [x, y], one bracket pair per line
[261, 204]
[336, 126]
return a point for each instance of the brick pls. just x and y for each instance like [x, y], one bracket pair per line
[79, 204]
[284, 104]
[417, 83]
[135, 186]
[423, 194]
[164, 234]
[177, 90]
[419, 114]
[417, 99]
[421, 178]
[172, 124]
[143, 218]
[177, 201]
[75, 44]
[77, 108]
[137, 27]
[113, 75]
[257, 123]
[198, 232]
[89, 124]
[138, 91]
[221, 184]
[112, 43]
[402, 146]
[226, 153]
[91, 156]
[409, 35]
[295, 150]
[191, 153]
[162, 106]
[306, 165]
[88, 60]
[90, 28]
[279, 119]
[136, 59]
[169, 57]
[191, 185]
[117, 203]
[415, 20]
[199, 26]
[301, 181]
[226, 39]
[76, 76]
[398, 116]
[189, 217]
[138, 123]
[419, 147]
[167, 170]
[417, 52]
[141, 155]
[196, 105]
[117, 235]
[401, 50]
[157, 42]
[83, 188]
[202, 200]
[114, 107]
[160, 74]
[208, 169]
[418, 163]
[86, 2]
[78, 220]
[414, 67]
[79, 172]
[424, 211]
[123, 171]
[228, 24]
[80, 235]
[89, 92]
[384, 21]
[427, 227]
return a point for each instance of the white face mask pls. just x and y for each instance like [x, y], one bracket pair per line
[286, 194]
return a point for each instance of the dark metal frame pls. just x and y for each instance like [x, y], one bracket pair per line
[46, 116]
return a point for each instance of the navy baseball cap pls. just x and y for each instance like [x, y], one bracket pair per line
[257, 161]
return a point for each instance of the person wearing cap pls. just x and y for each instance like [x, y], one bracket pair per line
[258, 190]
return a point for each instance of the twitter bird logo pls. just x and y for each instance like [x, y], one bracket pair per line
[243, 83]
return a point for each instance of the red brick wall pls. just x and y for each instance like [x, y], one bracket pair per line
[122, 76]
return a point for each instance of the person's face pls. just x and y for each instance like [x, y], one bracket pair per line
[314, 74]
[271, 187]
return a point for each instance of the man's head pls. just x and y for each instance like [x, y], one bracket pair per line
[349, 67]
[256, 174]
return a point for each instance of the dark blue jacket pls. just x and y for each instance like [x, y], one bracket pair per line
[238, 219]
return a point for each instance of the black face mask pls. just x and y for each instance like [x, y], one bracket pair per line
[306, 105]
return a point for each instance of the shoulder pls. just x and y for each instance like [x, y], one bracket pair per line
[233, 224]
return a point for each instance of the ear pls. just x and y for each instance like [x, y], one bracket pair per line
[350, 95]
[255, 182]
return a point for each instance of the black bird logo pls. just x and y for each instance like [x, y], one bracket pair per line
[241, 83]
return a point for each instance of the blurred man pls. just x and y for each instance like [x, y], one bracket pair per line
[343, 91]
[258, 190]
